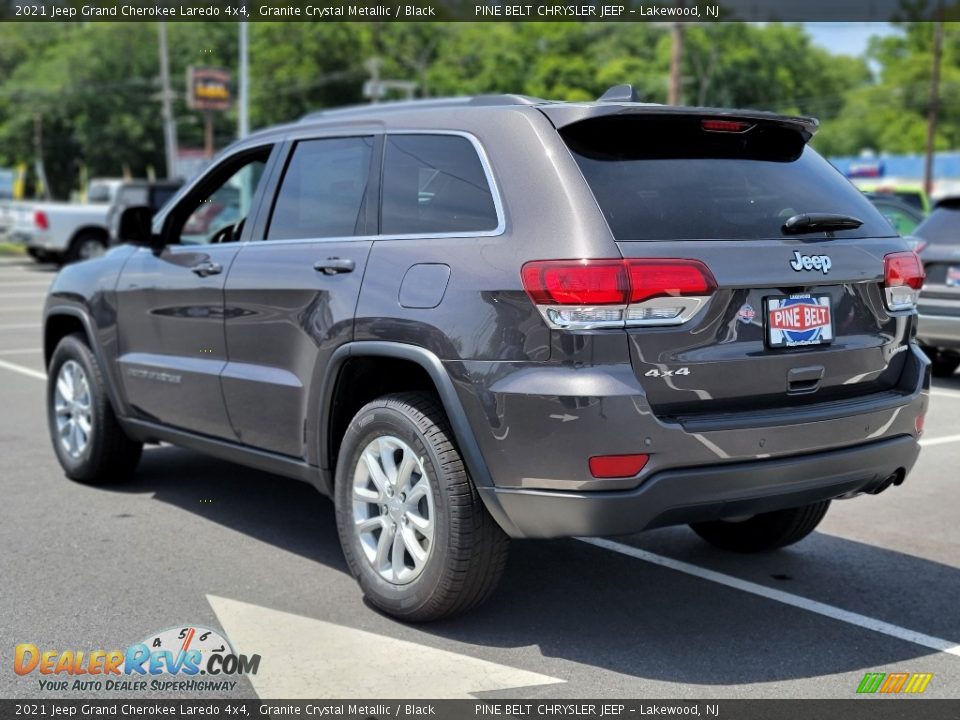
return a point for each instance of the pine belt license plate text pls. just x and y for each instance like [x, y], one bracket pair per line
[794, 320]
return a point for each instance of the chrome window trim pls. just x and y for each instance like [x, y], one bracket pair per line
[500, 229]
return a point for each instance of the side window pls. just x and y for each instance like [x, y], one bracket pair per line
[434, 184]
[322, 191]
[219, 216]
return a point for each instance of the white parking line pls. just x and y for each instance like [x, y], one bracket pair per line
[29, 372]
[21, 308]
[835, 613]
[19, 326]
[927, 442]
[21, 295]
[945, 393]
[21, 351]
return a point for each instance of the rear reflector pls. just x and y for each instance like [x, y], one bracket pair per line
[918, 424]
[617, 466]
[902, 279]
[40, 220]
[584, 294]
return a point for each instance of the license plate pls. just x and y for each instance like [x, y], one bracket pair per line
[953, 276]
[794, 320]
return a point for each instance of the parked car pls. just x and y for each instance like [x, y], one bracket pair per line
[939, 327]
[68, 232]
[911, 194]
[475, 319]
[902, 216]
[134, 193]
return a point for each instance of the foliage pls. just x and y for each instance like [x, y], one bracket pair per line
[93, 89]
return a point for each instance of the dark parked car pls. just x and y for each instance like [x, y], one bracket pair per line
[902, 216]
[135, 193]
[939, 329]
[474, 319]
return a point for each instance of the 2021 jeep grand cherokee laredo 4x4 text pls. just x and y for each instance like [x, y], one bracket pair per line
[475, 319]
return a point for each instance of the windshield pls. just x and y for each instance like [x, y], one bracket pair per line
[659, 178]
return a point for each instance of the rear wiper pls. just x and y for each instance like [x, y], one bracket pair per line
[819, 222]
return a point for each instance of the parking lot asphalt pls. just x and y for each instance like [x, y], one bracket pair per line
[194, 540]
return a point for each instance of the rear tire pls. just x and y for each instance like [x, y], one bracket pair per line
[763, 532]
[414, 532]
[89, 442]
[85, 246]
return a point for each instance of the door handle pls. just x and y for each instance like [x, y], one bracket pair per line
[207, 268]
[334, 266]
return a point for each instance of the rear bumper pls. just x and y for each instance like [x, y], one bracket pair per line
[41, 241]
[675, 497]
[940, 331]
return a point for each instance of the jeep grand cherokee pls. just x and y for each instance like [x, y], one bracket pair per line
[474, 319]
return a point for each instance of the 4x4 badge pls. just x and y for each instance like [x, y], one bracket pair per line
[811, 262]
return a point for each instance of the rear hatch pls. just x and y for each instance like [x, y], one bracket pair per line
[941, 258]
[798, 314]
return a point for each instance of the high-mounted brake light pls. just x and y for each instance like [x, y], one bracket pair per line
[902, 279]
[587, 294]
[40, 220]
[728, 126]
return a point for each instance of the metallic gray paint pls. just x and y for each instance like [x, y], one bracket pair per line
[528, 405]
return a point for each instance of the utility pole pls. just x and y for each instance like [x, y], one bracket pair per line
[38, 154]
[373, 89]
[166, 98]
[243, 101]
[934, 105]
[675, 90]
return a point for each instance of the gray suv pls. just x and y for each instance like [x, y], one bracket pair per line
[477, 319]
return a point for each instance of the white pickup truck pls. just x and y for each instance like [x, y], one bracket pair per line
[66, 232]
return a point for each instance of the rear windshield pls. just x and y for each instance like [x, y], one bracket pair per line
[665, 178]
[942, 227]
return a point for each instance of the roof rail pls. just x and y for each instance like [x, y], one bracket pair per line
[426, 104]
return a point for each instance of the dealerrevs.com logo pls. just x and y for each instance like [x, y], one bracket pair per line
[170, 660]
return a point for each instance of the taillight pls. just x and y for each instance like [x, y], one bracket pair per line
[902, 279]
[40, 220]
[617, 466]
[586, 294]
[583, 282]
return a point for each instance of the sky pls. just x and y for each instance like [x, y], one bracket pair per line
[846, 38]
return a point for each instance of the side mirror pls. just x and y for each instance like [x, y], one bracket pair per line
[135, 226]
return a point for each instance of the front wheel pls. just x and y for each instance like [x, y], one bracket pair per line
[766, 531]
[89, 442]
[413, 529]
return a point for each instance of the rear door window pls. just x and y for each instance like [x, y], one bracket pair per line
[666, 178]
[323, 189]
[435, 184]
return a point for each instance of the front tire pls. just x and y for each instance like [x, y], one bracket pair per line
[763, 532]
[413, 529]
[89, 442]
